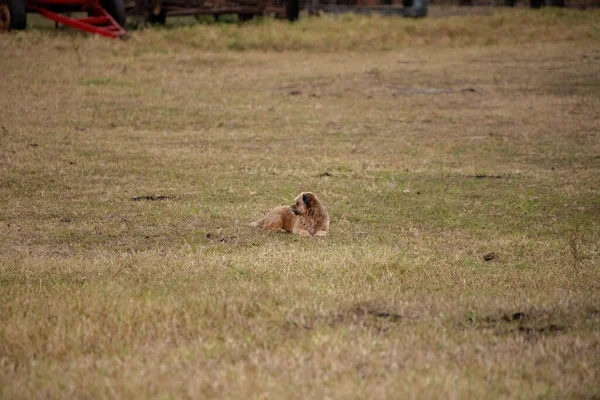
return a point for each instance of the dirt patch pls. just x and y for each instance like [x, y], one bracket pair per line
[425, 90]
[368, 315]
[518, 316]
[219, 238]
[152, 198]
[490, 256]
[543, 329]
[529, 324]
[393, 317]
[483, 176]
[364, 310]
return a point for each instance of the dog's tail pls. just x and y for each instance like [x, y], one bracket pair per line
[257, 224]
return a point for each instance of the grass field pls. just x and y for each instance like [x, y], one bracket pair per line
[434, 144]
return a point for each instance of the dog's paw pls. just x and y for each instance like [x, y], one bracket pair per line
[321, 233]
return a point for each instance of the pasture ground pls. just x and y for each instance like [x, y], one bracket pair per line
[129, 170]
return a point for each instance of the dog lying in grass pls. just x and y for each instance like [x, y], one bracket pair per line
[306, 217]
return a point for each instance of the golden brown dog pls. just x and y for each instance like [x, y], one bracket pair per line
[306, 217]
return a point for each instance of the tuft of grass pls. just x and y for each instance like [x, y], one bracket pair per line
[361, 33]
[376, 33]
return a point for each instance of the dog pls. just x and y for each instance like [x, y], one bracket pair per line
[306, 217]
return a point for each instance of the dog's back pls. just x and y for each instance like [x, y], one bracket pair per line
[281, 218]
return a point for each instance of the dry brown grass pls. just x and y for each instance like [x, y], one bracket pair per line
[104, 296]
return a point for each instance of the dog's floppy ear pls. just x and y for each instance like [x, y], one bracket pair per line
[306, 199]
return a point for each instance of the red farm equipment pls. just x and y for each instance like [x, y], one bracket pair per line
[104, 17]
[107, 17]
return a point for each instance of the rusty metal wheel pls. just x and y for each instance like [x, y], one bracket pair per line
[4, 18]
[245, 17]
[157, 19]
[292, 10]
[537, 3]
[12, 15]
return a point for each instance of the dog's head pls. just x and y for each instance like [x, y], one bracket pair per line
[303, 203]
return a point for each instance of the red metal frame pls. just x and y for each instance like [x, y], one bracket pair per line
[98, 21]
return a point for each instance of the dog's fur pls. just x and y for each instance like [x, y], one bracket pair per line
[306, 217]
